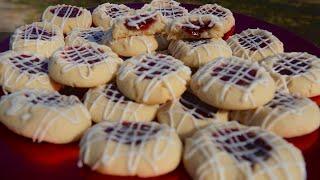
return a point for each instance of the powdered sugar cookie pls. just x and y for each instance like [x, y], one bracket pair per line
[286, 115]
[107, 103]
[196, 53]
[195, 27]
[39, 37]
[189, 114]
[67, 17]
[84, 36]
[89, 65]
[105, 14]
[255, 44]
[295, 72]
[44, 115]
[141, 22]
[144, 149]
[233, 83]
[20, 70]
[232, 151]
[224, 14]
[153, 78]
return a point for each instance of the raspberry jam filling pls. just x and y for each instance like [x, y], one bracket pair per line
[35, 32]
[254, 42]
[49, 100]
[196, 27]
[140, 22]
[150, 68]
[29, 64]
[217, 12]
[243, 145]
[172, 12]
[283, 100]
[290, 66]
[92, 36]
[131, 133]
[115, 95]
[115, 12]
[83, 55]
[66, 11]
[196, 107]
[245, 78]
[196, 43]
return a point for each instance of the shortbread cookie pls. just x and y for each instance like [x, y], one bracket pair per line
[224, 14]
[39, 37]
[296, 72]
[286, 115]
[195, 27]
[144, 149]
[44, 115]
[67, 17]
[24, 70]
[161, 3]
[232, 151]
[133, 45]
[105, 14]
[84, 66]
[233, 84]
[107, 103]
[255, 44]
[153, 78]
[196, 53]
[84, 36]
[189, 114]
[141, 22]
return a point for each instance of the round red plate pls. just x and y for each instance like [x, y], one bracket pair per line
[20, 158]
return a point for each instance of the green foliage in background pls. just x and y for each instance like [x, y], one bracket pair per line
[299, 16]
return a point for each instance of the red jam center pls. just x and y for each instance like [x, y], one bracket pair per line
[49, 100]
[172, 12]
[35, 32]
[254, 42]
[282, 100]
[196, 107]
[83, 55]
[289, 66]
[115, 12]
[92, 36]
[29, 64]
[131, 133]
[244, 145]
[66, 11]
[217, 12]
[115, 95]
[140, 22]
[245, 78]
[197, 27]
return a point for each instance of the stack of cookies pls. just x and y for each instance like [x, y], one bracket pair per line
[161, 81]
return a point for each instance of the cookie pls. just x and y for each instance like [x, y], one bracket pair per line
[255, 44]
[189, 114]
[84, 66]
[295, 72]
[39, 37]
[107, 103]
[195, 27]
[141, 22]
[286, 115]
[144, 149]
[132, 45]
[44, 115]
[67, 17]
[24, 70]
[153, 78]
[83, 36]
[196, 53]
[233, 84]
[224, 14]
[105, 14]
[162, 3]
[232, 151]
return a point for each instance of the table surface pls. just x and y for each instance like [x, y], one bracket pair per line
[21, 159]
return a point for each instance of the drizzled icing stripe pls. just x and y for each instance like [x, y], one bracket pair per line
[26, 100]
[136, 136]
[155, 67]
[113, 11]
[232, 71]
[83, 36]
[168, 9]
[145, 17]
[248, 147]
[213, 9]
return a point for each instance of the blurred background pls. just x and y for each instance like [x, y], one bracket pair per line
[299, 16]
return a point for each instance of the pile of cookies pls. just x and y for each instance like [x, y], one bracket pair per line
[163, 85]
